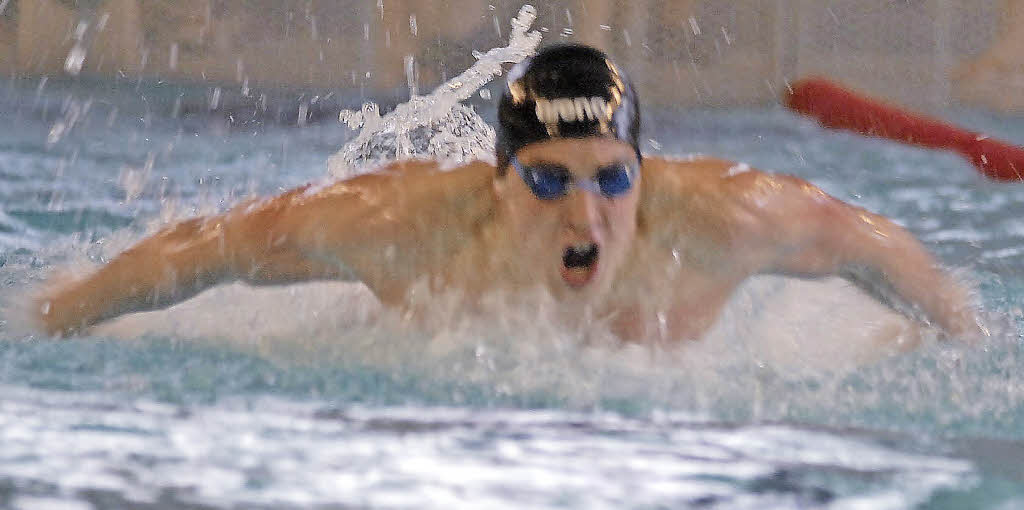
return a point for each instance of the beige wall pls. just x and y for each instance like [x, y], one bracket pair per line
[8, 36]
[995, 79]
[706, 52]
[44, 36]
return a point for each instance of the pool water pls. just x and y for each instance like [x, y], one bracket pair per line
[299, 397]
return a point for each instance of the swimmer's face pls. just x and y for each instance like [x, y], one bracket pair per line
[575, 242]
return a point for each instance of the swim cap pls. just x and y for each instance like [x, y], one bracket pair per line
[565, 91]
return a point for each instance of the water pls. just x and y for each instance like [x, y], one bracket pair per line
[437, 125]
[302, 397]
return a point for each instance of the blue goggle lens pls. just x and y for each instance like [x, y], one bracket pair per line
[549, 182]
[546, 182]
[615, 180]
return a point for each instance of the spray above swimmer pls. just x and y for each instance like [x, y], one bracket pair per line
[436, 125]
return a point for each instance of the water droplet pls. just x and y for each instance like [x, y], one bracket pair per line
[75, 60]
[173, 59]
[215, 98]
[693, 25]
[410, 75]
[56, 132]
[41, 86]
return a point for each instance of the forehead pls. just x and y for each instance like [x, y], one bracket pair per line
[577, 152]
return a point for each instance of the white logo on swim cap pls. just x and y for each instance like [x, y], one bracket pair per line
[572, 109]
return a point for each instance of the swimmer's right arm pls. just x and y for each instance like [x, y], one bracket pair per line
[177, 263]
[369, 225]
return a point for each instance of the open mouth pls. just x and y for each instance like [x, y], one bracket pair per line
[579, 264]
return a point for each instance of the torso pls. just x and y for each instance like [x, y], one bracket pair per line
[676, 292]
[668, 301]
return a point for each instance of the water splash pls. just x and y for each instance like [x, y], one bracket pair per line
[76, 56]
[83, 35]
[72, 111]
[436, 125]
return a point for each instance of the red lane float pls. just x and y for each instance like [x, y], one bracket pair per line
[839, 108]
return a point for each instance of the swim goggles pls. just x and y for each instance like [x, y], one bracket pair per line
[548, 181]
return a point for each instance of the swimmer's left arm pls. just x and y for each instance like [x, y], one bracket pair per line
[800, 230]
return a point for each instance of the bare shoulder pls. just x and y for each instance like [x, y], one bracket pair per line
[726, 182]
[708, 172]
[725, 201]
[393, 191]
[397, 191]
[409, 175]
[391, 225]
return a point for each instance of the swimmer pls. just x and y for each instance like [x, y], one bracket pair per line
[650, 246]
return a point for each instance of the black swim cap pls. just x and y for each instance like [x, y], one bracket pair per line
[565, 91]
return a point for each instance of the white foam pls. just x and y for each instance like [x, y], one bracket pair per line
[436, 125]
[783, 323]
[686, 158]
[737, 169]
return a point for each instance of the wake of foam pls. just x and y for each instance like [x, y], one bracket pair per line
[791, 329]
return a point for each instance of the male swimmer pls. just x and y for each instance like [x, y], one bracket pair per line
[650, 247]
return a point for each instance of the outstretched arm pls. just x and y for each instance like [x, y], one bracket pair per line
[798, 229]
[367, 225]
[177, 263]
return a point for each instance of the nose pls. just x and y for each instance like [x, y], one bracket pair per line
[583, 211]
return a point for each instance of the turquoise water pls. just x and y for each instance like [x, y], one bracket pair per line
[281, 398]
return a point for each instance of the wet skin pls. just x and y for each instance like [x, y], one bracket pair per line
[669, 252]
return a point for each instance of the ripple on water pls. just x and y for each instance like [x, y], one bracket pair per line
[262, 450]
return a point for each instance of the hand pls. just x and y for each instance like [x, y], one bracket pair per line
[966, 326]
[58, 309]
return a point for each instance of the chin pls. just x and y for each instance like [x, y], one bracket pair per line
[582, 293]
